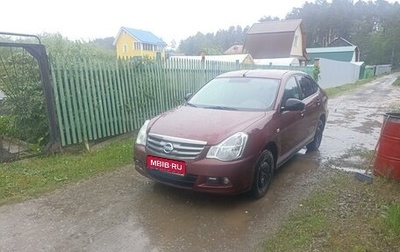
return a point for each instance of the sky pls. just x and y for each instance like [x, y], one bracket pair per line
[167, 19]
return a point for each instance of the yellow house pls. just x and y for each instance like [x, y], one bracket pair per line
[131, 43]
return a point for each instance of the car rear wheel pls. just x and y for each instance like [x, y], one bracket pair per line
[314, 145]
[263, 174]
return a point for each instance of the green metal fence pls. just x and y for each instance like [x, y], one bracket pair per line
[97, 99]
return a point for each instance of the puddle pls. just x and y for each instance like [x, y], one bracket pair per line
[355, 121]
[349, 169]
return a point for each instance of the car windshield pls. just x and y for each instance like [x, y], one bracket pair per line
[238, 93]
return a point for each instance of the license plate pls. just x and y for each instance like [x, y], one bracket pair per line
[167, 165]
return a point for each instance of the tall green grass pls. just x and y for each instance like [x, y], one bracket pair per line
[336, 91]
[23, 179]
[397, 82]
[391, 215]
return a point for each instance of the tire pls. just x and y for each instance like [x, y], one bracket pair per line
[263, 174]
[314, 145]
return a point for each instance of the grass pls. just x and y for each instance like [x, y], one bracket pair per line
[344, 215]
[392, 218]
[336, 91]
[397, 82]
[28, 178]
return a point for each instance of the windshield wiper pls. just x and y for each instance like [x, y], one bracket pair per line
[191, 104]
[220, 107]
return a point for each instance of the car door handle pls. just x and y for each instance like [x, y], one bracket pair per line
[302, 113]
[318, 102]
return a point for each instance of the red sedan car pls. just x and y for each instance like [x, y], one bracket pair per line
[232, 134]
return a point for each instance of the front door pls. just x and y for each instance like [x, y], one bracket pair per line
[290, 130]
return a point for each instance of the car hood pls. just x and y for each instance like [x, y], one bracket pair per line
[210, 125]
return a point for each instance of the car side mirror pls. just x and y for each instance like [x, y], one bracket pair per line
[293, 104]
[187, 96]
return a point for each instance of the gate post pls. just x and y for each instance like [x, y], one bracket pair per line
[38, 51]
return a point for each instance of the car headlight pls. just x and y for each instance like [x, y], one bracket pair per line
[142, 135]
[229, 149]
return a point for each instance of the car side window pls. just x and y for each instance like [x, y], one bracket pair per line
[307, 85]
[291, 90]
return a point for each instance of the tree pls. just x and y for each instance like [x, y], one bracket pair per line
[372, 26]
[269, 18]
[212, 43]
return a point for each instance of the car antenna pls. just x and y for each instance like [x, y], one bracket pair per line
[244, 74]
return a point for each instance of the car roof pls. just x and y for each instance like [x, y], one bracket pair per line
[261, 73]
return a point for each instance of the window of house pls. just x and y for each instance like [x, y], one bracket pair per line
[149, 47]
[125, 48]
[137, 45]
[296, 41]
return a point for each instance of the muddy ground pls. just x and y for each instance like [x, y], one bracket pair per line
[123, 211]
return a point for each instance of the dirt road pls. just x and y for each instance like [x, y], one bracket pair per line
[123, 211]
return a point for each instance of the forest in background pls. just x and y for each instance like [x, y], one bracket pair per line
[373, 26]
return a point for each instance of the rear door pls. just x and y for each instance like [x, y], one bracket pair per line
[312, 99]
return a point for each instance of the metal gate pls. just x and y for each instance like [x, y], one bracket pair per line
[28, 123]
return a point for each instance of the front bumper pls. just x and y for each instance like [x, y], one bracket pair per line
[202, 174]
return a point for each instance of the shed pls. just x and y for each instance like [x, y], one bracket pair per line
[340, 53]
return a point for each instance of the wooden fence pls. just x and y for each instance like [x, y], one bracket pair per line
[96, 99]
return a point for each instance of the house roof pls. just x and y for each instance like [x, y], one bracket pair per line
[142, 36]
[340, 53]
[275, 26]
[339, 41]
[235, 49]
[274, 39]
[332, 49]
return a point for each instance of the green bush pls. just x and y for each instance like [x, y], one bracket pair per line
[20, 80]
[25, 114]
[6, 127]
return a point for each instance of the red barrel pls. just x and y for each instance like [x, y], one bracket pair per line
[387, 161]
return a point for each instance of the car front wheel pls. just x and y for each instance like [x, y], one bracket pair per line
[263, 174]
[314, 145]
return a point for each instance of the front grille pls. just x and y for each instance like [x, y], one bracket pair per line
[186, 181]
[181, 148]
